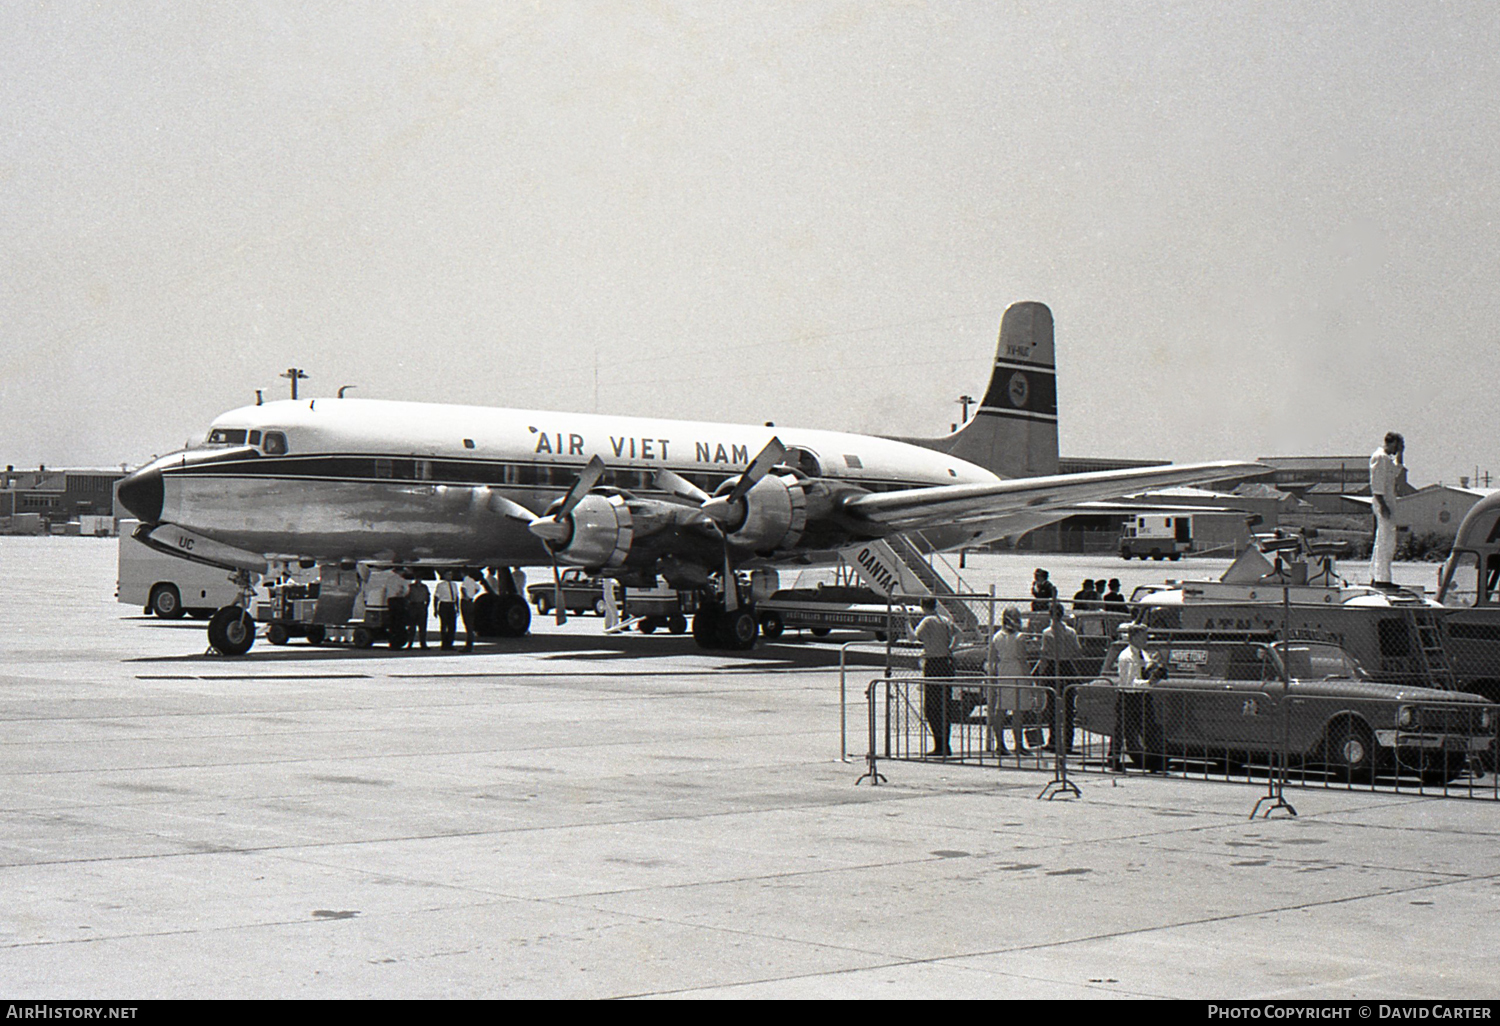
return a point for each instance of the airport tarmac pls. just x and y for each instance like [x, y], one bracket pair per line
[571, 815]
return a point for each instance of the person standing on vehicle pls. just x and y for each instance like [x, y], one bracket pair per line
[469, 590]
[445, 598]
[1008, 664]
[417, 600]
[1386, 466]
[936, 633]
[1062, 664]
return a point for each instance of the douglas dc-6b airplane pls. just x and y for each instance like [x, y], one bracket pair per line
[335, 481]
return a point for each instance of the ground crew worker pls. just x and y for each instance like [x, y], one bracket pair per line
[469, 590]
[1386, 465]
[417, 600]
[936, 633]
[397, 587]
[445, 598]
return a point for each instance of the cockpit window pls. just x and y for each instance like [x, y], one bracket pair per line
[226, 436]
[275, 444]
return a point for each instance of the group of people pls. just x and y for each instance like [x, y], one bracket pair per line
[1017, 703]
[407, 601]
[1028, 699]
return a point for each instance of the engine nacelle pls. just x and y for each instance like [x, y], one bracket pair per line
[601, 532]
[772, 515]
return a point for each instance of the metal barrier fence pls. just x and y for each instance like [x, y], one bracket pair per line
[1349, 735]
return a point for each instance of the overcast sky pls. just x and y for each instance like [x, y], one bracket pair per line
[1263, 228]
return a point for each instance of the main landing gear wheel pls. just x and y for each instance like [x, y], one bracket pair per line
[231, 631]
[706, 624]
[715, 627]
[166, 602]
[738, 630]
[512, 616]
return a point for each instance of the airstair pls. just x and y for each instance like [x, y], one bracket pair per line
[895, 565]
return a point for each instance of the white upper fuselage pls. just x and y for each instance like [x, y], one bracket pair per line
[402, 481]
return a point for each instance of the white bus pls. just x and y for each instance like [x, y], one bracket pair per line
[168, 586]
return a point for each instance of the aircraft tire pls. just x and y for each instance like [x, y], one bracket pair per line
[738, 630]
[706, 625]
[231, 631]
[487, 615]
[512, 616]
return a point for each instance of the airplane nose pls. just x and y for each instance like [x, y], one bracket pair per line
[142, 494]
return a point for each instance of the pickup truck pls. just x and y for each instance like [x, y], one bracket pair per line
[580, 593]
[1229, 699]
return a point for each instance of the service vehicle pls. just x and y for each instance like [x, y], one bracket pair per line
[1398, 635]
[824, 608]
[1157, 537]
[660, 607]
[167, 586]
[1469, 591]
[581, 593]
[1236, 699]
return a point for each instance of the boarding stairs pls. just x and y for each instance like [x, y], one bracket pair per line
[924, 569]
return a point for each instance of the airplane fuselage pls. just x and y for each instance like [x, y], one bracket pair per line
[337, 479]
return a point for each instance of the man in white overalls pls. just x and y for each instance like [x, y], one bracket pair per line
[1385, 469]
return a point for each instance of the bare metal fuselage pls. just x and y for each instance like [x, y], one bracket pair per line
[410, 483]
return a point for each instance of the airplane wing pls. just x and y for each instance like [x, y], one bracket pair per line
[916, 508]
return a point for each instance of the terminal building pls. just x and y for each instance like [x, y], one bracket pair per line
[69, 501]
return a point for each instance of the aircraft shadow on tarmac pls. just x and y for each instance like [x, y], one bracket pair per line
[599, 649]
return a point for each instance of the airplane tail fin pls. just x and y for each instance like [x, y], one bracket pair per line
[1014, 431]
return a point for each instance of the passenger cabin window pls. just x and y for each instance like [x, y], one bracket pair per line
[275, 444]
